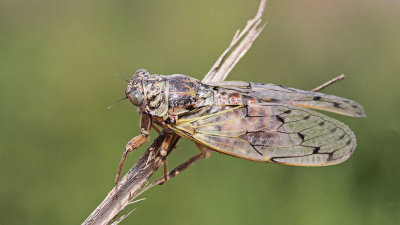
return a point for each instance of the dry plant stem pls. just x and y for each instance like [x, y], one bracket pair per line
[131, 183]
[134, 181]
[122, 218]
[328, 83]
[225, 63]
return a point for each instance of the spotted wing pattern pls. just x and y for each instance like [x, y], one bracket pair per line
[269, 132]
[288, 95]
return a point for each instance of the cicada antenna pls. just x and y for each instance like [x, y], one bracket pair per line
[109, 107]
[122, 78]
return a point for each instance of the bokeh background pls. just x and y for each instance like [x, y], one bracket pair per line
[60, 147]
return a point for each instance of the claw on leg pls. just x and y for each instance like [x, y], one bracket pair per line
[133, 144]
[120, 166]
[136, 142]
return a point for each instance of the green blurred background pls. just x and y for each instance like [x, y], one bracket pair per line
[60, 147]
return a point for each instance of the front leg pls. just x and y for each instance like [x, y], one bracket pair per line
[136, 142]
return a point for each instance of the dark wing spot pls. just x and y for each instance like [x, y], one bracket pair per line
[336, 104]
[278, 117]
[317, 98]
[274, 100]
[301, 136]
[316, 149]
[321, 123]
[334, 130]
[347, 143]
[287, 111]
[341, 137]
[306, 117]
[330, 157]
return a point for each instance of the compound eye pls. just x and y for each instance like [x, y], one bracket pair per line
[136, 98]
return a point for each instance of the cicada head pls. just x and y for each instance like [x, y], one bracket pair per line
[135, 91]
[148, 93]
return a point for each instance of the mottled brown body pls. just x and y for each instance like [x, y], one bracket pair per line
[186, 94]
[169, 95]
[260, 122]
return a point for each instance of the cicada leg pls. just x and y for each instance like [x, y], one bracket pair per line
[163, 152]
[136, 142]
[155, 128]
[204, 153]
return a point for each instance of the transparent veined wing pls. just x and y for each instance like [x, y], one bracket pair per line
[269, 132]
[288, 95]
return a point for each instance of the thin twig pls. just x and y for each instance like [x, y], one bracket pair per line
[122, 217]
[134, 182]
[131, 183]
[224, 64]
[328, 83]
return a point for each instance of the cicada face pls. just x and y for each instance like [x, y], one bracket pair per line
[134, 91]
[148, 93]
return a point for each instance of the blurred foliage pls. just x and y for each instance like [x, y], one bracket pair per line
[60, 147]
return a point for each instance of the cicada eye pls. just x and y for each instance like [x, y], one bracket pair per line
[136, 98]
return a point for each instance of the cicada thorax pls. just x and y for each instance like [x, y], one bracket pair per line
[186, 94]
[174, 95]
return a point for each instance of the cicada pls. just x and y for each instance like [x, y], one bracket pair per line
[253, 121]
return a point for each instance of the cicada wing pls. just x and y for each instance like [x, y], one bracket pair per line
[269, 132]
[288, 95]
